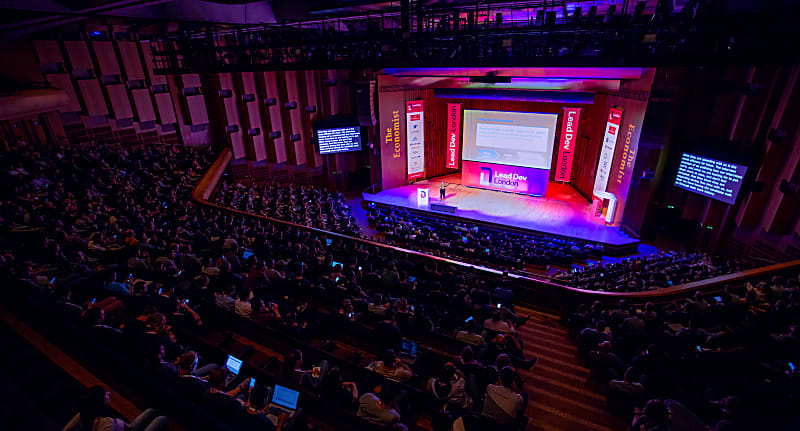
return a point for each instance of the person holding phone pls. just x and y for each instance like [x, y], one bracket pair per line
[254, 418]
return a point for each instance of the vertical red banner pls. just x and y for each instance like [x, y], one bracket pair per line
[415, 139]
[566, 148]
[453, 134]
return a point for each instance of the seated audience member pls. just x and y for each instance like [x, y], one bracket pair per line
[95, 318]
[253, 418]
[379, 409]
[333, 389]
[450, 386]
[225, 404]
[158, 365]
[309, 379]
[503, 404]
[654, 417]
[629, 384]
[469, 336]
[509, 345]
[387, 332]
[188, 365]
[391, 368]
[93, 415]
[242, 305]
[224, 298]
[115, 287]
[495, 324]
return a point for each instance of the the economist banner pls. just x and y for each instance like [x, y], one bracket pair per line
[566, 147]
[453, 134]
[415, 139]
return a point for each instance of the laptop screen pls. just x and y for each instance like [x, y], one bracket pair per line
[409, 348]
[285, 397]
[233, 364]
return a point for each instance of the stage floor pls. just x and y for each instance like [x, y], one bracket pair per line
[563, 211]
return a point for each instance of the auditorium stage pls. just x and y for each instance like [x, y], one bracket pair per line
[562, 212]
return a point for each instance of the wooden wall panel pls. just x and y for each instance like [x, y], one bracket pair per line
[48, 52]
[237, 145]
[166, 112]
[129, 51]
[106, 57]
[197, 109]
[254, 115]
[275, 117]
[311, 99]
[121, 106]
[143, 104]
[190, 80]
[64, 82]
[78, 54]
[93, 97]
[295, 115]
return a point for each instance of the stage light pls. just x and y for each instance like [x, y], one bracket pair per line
[671, 207]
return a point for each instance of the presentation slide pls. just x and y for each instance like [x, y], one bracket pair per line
[509, 138]
[711, 178]
[339, 140]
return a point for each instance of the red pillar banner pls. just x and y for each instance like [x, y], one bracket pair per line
[566, 148]
[607, 151]
[453, 134]
[415, 139]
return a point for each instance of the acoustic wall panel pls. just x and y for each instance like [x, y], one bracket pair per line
[93, 97]
[271, 81]
[64, 82]
[197, 109]
[106, 57]
[121, 106]
[130, 60]
[48, 52]
[143, 104]
[312, 99]
[165, 109]
[78, 54]
[190, 80]
[295, 115]
[237, 145]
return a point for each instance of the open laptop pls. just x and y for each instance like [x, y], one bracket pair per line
[233, 364]
[408, 350]
[284, 400]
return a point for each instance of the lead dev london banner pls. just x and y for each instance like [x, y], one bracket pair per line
[607, 153]
[415, 137]
[453, 135]
[566, 148]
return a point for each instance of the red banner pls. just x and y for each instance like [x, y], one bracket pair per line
[566, 148]
[415, 139]
[453, 134]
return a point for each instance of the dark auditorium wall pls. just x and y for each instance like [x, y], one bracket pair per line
[115, 94]
[747, 113]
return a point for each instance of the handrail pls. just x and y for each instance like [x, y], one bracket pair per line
[538, 290]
